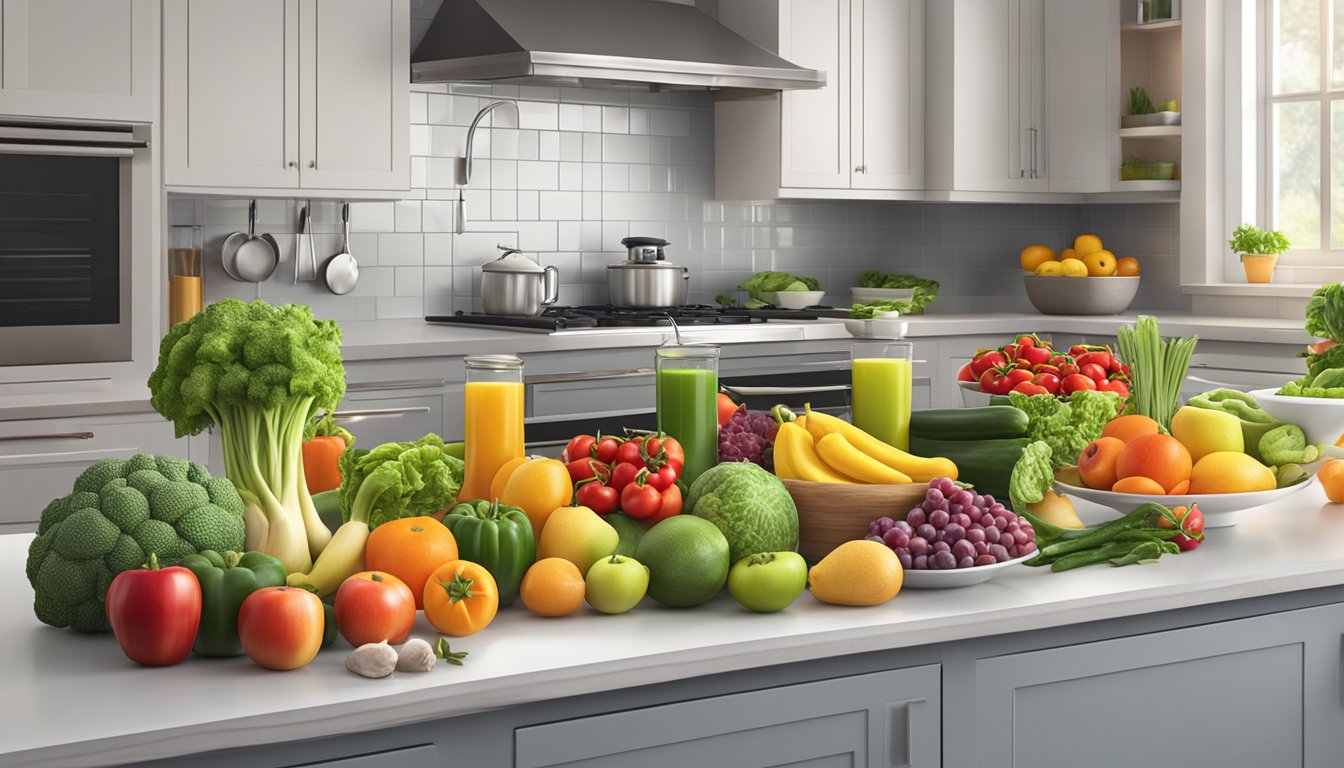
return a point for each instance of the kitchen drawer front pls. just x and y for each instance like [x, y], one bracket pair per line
[596, 392]
[885, 718]
[422, 756]
[377, 418]
[40, 459]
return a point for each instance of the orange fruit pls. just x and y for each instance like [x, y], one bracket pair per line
[1127, 266]
[553, 586]
[1100, 263]
[1085, 244]
[1068, 253]
[1180, 488]
[1034, 256]
[502, 476]
[1126, 428]
[410, 549]
[1331, 475]
[1137, 484]
[1160, 458]
[1230, 472]
[1096, 464]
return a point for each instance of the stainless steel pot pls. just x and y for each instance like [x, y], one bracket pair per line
[516, 285]
[647, 285]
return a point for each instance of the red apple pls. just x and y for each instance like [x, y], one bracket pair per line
[281, 627]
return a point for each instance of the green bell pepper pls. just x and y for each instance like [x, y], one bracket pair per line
[498, 537]
[1255, 421]
[226, 580]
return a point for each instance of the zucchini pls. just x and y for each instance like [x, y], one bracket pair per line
[985, 423]
[985, 464]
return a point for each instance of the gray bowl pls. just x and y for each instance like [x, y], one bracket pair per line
[1060, 295]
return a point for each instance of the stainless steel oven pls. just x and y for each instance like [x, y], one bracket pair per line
[66, 242]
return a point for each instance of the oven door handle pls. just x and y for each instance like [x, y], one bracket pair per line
[66, 150]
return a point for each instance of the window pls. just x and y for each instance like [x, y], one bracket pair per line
[1304, 76]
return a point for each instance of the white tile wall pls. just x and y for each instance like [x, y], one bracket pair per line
[577, 170]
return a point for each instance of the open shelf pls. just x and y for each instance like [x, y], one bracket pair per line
[1152, 26]
[1151, 132]
[1173, 185]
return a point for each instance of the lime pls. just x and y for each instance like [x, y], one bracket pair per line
[687, 559]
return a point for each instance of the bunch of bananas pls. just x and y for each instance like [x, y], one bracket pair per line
[821, 448]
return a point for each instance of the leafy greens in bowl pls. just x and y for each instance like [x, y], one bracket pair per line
[762, 287]
[924, 292]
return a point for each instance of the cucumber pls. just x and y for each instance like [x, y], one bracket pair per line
[985, 464]
[986, 423]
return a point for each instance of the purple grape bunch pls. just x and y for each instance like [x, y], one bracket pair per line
[954, 527]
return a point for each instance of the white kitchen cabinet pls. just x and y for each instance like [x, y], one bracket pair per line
[79, 59]
[860, 136]
[286, 96]
[1082, 61]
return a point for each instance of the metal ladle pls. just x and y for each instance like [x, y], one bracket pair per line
[342, 272]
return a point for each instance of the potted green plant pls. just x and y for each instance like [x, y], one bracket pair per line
[1259, 250]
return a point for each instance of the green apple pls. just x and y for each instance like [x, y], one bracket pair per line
[616, 584]
[768, 581]
[1203, 431]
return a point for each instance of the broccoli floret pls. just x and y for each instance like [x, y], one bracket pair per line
[107, 525]
[260, 373]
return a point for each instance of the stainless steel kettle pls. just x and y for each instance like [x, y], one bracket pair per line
[516, 285]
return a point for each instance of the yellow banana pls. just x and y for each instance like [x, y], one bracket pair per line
[920, 470]
[842, 457]
[783, 468]
[343, 558]
[801, 458]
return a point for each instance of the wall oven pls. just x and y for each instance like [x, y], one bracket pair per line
[66, 242]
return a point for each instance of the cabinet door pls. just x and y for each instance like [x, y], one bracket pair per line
[354, 99]
[884, 718]
[887, 81]
[815, 124]
[231, 79]
[90, 59]
[1033, 98]
[986, 142]
[1229, 693]
[1081, 119]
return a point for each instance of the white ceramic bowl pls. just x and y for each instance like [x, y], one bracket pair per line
[877, 328]
[1220, 509]
[1322, 418]
[797, 299]
[961, 577]
[971, 396]
[865, 295]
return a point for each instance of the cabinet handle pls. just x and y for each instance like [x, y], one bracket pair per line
[405, 384]
[860, 169]
[1035, 135]
[49, 436]
[291, 164]
[379, 413]
[312, 163]
[574, 376]
[900, 725]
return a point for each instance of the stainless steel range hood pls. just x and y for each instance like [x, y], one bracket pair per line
[645, 44]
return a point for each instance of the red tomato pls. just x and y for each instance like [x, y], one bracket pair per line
[1075, 382]
[1192, 519]
[629, 452]
[726, 409]
[622, 474]
[993, 382]
[1047, 381]
[965, 373]
[281, 627]
[154, 613]
[1100, 358]
[1116, 366]
[373, 606]
[605, 448]
[1028, 388]
[640, 500]
[1114, 385]
[665, 477]
[579, 447]
[671, 505]
[672, 452]
[582, 469]
[602, 499]
[1093, 371]
[1017, 376]
[985, 360]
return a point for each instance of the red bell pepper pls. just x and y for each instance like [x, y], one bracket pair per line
[154, 612]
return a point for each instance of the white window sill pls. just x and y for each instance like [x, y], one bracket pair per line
[1268, 290]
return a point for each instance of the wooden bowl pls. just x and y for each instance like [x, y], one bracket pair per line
[829, 514]
[1059, 295]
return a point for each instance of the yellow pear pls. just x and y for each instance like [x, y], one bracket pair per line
[1056, 510]
[579, 535]
[1203, 431]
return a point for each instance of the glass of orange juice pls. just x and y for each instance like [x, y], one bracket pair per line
[493, 415]
[881, 388]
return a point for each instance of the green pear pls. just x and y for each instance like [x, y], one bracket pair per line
[579, 535]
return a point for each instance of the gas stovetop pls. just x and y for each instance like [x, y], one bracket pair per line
[556, 319]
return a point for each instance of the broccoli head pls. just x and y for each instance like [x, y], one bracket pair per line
[120, 511]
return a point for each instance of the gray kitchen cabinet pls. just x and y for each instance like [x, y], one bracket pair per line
[883, 718]
[79, 59]
[318, 103]
[40, 458]
[1255, 691]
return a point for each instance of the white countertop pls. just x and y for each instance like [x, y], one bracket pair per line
[74, 700]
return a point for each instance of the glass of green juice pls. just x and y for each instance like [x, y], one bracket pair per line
[688, 389]
[880, 398]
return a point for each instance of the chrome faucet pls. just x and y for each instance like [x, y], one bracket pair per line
[461, 217]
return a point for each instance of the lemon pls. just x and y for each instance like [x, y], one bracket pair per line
[1085, 244]
[1035, 255]
[1049, 268]
[1073, 268]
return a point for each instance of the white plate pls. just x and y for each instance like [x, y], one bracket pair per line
[961, 577]
[1220, 509]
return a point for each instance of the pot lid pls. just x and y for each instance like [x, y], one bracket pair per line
[631, 242]
[513, 262]
[645, 265]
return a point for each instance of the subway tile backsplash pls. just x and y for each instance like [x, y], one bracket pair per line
[577, 170]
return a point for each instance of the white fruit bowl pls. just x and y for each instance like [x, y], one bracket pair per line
[798, 299]
[1221, 510]
[1060, 295]
[971, 396]
[1321, 418]
[960, 577]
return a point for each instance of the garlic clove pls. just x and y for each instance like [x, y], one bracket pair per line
[416, 656]
[372, 660]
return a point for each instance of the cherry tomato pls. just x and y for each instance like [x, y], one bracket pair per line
[985, 360]
[1067, 369]
[671, 504]
[582, 469]
[965, 373]
[602, 499]
[653, 445]
[605, 448]
[629, 452]
[1093, 371]
[1017, 376]
[1075, 382]
[673, 453]
[1028, 388]
[622, 474]
[665, 477]
[1191, 519]
[640, 500]
[1101, 358]
[1116, 366]
[994, 382]
[1114, 385]
[579, 447]
[1047, 381]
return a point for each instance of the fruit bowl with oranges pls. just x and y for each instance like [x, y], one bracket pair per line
[1201, 461]
[1095, 281]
